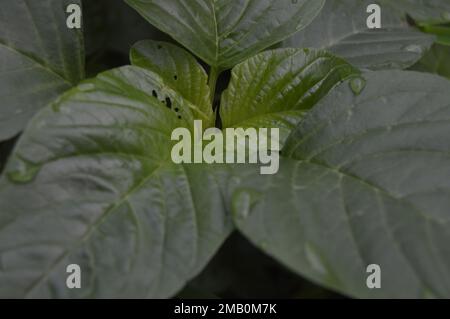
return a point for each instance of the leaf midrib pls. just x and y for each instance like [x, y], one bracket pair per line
[34, 60]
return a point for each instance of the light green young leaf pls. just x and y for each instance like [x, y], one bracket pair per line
[342, 29]
[179, 69]
[39, 59]
[226, 32]
[275, 88]
[92, 183]
[366, 181]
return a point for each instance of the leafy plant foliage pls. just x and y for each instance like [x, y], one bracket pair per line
[364, 173]
[37, 62]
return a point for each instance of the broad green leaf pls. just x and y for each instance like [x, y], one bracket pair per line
[91, 183]
[179, 69]
[275, 88]
[39, 59]
[342, 29]
[365, 181]
[437, 60]
[226, 32]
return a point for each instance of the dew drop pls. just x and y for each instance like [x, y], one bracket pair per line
[241, 204]
[86, 87]
[357, 85]
[414, 48]
[314, 259]
[24, 171]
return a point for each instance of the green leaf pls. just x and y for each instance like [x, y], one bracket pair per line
[437, 60]
[423, 11]
[276, 88]
[179, 69]
[342, 29]
[442, 32]
[365, 181]
[102, 192]
[226, 32]
[39, 59]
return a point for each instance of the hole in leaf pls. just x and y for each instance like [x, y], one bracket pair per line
[175, 77]
[177, 109]
[155, 95]
[179, 117]
[168, 102]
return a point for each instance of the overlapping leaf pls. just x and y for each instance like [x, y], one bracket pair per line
[179, 69]
[39, 59]
[101, 192]
[226, 32]
[275, 88]
[365, 181]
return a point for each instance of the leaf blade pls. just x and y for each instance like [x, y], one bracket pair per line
[102, 193]
[40, 58]
[224, 33]
[367, 185]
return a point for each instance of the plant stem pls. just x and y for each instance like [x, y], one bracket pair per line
[212, 82]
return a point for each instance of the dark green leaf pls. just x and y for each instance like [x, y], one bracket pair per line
[102, 192]
[226, 32]
[39, 59]
[341, 28]
[365, 181]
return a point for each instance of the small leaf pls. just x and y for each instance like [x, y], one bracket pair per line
[275, 88]
[226, 32]
[39, 59]
[102, 192]
[366, 181]
[179, 69]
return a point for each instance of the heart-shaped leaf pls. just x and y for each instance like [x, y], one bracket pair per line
[366, 181]
[275, 88]
[102, 192]
[226, 32]
[342, 29]
[39, 59]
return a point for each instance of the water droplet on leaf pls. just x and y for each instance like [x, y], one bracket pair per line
[86, 87]
[357, 85]
[315, 260]
[414, 48]
[24, 171]
[242, 203]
